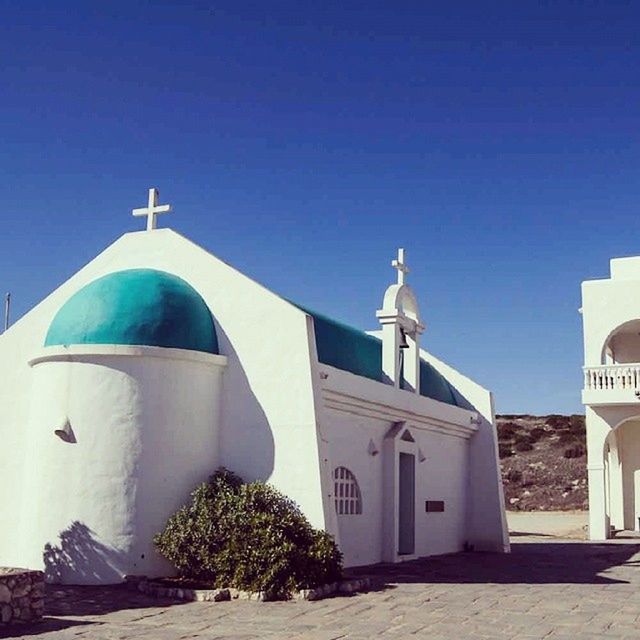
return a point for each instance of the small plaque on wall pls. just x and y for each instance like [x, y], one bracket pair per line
[434, 506]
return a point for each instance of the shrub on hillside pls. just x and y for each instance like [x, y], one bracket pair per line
[514, 476]
[537, 433]
[566, 437]
[557, 422]
[507, 430]
[505, 450]
[247, 536]
[524, 438]
[577, 424]
[523, 445]
[574, 452]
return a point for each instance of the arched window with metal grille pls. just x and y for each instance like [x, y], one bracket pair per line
[346, 492]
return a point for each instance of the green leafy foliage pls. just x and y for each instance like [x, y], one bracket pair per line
[557, 422]
[247, 536]
[524, 437]
[566, 437]
[505, 450]
[577, 425]
[514, 475]
[575, 452]
[537, 433]
[507, 430]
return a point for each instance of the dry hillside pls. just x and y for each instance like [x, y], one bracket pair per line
[544, 463]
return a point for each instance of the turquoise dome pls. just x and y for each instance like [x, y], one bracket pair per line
[140, 307]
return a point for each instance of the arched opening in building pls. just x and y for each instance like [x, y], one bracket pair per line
[623, 344]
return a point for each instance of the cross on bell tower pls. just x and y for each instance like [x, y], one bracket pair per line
[400, 265]
[401, 329]
[152, 210]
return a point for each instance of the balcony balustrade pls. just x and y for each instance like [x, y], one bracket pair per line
[612, 384]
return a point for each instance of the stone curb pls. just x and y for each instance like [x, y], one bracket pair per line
[159, 590]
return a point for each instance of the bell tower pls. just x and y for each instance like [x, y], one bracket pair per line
[401, 329]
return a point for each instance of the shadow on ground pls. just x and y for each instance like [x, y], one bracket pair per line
[46, 625]
[528, 563]
[66, 601]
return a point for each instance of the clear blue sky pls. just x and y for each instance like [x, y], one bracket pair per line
[303, 142]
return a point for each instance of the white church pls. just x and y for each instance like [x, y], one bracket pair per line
[157, 363]
[611, 319]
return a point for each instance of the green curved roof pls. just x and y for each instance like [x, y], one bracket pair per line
[344, 347]
[142, 307]
[434, 385]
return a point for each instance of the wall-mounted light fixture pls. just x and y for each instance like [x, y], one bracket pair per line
[65, 432]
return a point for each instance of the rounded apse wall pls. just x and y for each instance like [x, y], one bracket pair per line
[118, 438]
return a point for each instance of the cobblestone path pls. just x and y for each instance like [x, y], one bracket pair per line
[555, 590]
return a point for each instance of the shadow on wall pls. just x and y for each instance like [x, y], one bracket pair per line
[81, 559]
[246, 442]
[487, 524]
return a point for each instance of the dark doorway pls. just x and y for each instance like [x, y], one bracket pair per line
[406, 504]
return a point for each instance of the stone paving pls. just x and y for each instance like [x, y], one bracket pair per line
[556, 590]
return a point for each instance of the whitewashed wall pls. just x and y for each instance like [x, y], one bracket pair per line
[146, 425]
[349, 438]
[602, 421]
[442, 476]
[357, 411]
[628, 436]
[487, 522]
[608, 304]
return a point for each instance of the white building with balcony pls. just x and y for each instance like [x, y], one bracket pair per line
[611, 319]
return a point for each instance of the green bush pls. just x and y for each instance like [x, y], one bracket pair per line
[524, 445]
[522, 439]
[506, 430]
[577, 424]
[557, 422]
[566, 437]
[247, 536]
[537, 433]
[505, 450]
[514, 476]
[575, 452]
